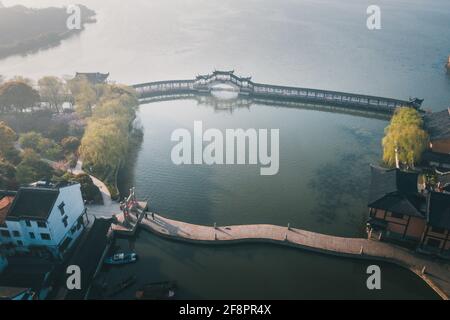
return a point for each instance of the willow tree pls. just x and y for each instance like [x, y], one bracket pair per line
[105, 143]
[53, 91]
[405, 139]
[84, 94]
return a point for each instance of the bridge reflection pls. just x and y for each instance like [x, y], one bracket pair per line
[231, 105]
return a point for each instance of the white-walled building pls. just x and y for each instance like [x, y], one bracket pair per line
[42, 218]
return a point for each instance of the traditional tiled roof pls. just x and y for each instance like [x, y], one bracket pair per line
[438, 124]
[33, 203]
[95, 77]
[396, 191]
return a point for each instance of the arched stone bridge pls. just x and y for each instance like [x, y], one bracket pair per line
[205, 84]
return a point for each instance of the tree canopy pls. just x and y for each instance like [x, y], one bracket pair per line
[45, 147]
[85, 95]
[53, 91]
[406, 137]
[32, 168]
[104, 146]
[17, 96]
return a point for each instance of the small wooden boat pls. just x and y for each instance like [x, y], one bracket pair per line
[121, 258]
[157, 291]
[122, 286]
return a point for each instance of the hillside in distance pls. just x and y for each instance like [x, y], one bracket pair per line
[25, 30]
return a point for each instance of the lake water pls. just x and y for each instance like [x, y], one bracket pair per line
[324, 157]
[322, 185]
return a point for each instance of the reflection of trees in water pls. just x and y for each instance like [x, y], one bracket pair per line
[342, 185]
[125, 177]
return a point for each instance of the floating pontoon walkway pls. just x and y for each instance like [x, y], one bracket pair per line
[435, 273]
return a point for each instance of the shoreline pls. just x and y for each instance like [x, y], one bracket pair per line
[50, 38]
[434, 274]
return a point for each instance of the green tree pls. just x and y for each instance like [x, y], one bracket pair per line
[32, 168]
[7, 137]
[105, 142]
[31, 140]
[89, 190]
[18, 96]
[84, 94]
[70, 144]
[405, 138]
[7, 175]
[53, 90]
[8, 152]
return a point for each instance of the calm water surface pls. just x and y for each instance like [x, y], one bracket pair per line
[311, 43]
[322, 185]
[323, 180]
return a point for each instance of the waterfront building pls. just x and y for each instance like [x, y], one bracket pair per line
[42, 219]
[396, 207]
[436, 237]
[398, 211]
[93, 77]
[437, 124]
[440, 161]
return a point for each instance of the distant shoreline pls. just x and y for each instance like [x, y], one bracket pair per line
[29, 30]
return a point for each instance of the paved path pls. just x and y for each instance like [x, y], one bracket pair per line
[109, 206]
[436, 275]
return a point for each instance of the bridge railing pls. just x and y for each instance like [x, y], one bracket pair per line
[202, 84]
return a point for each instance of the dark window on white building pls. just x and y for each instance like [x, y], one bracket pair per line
[16, 234]
[5, 234]
[41, 224]
[64, 220]
[32, 236]
[45, 236]
[28, 223]
[61, 208]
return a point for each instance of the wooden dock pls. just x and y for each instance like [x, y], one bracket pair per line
[435, 273]
[128, 227]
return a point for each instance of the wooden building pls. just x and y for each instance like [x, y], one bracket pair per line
[397, 209]
[437, 124]
[399, 212]
[436, 236]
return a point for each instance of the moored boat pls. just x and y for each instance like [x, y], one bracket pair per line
[121, 258]
[157, 291]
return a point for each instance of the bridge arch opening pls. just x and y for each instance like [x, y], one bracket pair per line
[224, 91]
